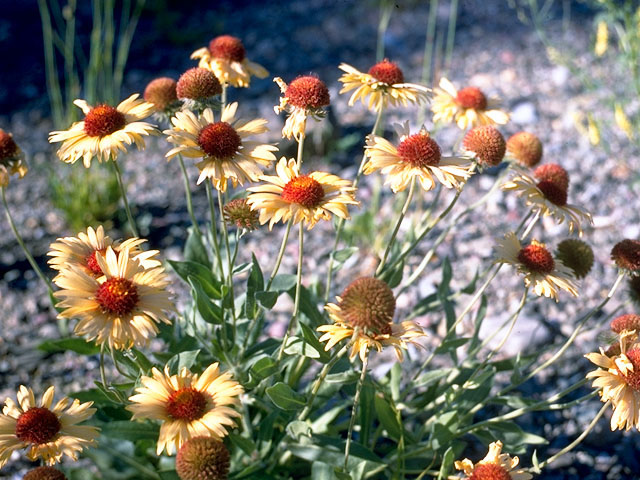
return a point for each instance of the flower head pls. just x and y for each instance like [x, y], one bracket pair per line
[417, 155]
[305, 198]
[526, 148]
[224, 146]
[105, 131]
[577, 255]
[44, 473]
[306, 96]
[629, 321]
[553, 173]
[188, 405]
[198, 87]
[47, 433]
[162, 93]
[626, 255]
[467, 107]
[226, 58]
[202, 458]
[495, 466]
[11, 159]
[486, 144]
[238, 212]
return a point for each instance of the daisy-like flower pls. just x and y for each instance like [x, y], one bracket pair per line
[226, 57]
[495, 466]
[416, 155]
[383, 84]
[549, 198]
[538, 266]
[47, 433]
[11, 159]
[368, 305]
[226, 152]
[120, 308]
[304, 97]
[467, 107]
[81, 251]
[188, 405]
[619, 379]
[105, 131]
[305, 198]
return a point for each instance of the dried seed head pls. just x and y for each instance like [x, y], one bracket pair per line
[387, 72]
[553, 192]
[103, 120]
[44, 473]
[303, 190]
[368, 303]
[161, 92]
[526, 148]
[626, 255]
[536, 258]
[202, 458]
[117, 296]
[226, 47]
[186, 404]
[554, 173]
[577, 255]
[471, 97]
[634, 290]
[238, 212]
[420, 150]
[489, 471]
[37, 425]
[198, 84]
[308, 92]
[632, 378]
[487, 143]
[8, 147]
[219, 140]
[629, 321]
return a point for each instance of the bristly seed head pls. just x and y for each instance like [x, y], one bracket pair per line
[226, 47]
[117, 296]
[44, 473]
[308, 92]
[219, 140]
[577, 255]
[489, 471]
[8, 146]
[526, 148]
[202, 458]
[553, 192]
[103, 120]
[387, 72]
[629, 321]
[487, 143]
[303, 190]
[92, 264]
[368, 303]
[162, 92]
[471, 97]
[186, 404]
[198, 84]
[536, 258]
[554, 173]
[238, 212]
[37, 425]
[420, 150]
[632, 378]
[626, 255]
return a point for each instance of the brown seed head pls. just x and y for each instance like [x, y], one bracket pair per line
[219, 140]
[489, 471]
[37, 425]
[44, 473]
[202, 458]
[626, 255]
[161, 92]
[238, 212]
[471, 97]
[303, 190]
[633, 378]
[487, 143]
[526, 148]
[629, 321]
[198, 84]
[553, 192]
[368, 303]
[226, 47]
[420, 150]
[554, 173]
[308, 92]
[536, 258]
[387, 72]
[8, 146]
[187, 404]
[577, 255]
[103, 120]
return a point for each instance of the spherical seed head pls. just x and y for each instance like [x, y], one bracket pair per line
[368, 303]
[489, 471]
[536, 258]
[632, 378]
[634, 290]
[92, 263]
[577, 255]
[117, 296]
[219, 140]
[198, 84]
[8, 147]
[103, 120]
[387, 72]
[303, 190]
[239, 213]
[487, 143]
[307, 92]
[629, 321]
[44, 473]
[202, 458]
[226, 47]
[553, 192]
[526, 148]
[471, 97]
[186, 404]
[554, 173]
[161, 92]
[420, 150]
[37, 425]
[626, 255]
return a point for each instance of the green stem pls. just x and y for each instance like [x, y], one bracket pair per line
[296, 302]
[225, 235]
[187, 191]
[300, 150]
[451, 33]
[427, 55]
[354, 410]
[283, 246]
[214, 228]
[123, 192]
[533, 221]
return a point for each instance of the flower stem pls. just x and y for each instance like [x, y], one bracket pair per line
[187, 191]
[214, 228]
[532, 223]
[354, 409]
[123, 192]
[225, 235]
[300, 150]
[283, 246]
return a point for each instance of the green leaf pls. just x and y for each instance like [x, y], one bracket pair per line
[452, 344]
[309, 335]
[94, 395]
[194, 249]
[322, 471]
[393, 277]
[447, 462]
[284, 397]
[299, 346]
[243, 443]
[77, 345]
[298, 429]
[182, 360]
[131, 431]
[512, 434]
[267, 299]
[387, 417]
[309, 306]
[431, 377]
[344, 254]
[211, 286]
[283, 282]
[169, 475]
[209, 311]
[255, 283]
[264, 368]
[346, 377]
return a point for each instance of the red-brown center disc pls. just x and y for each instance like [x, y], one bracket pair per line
[626, 254]
[553, 192]
[308, 92]
[187, 404]
[387, 72]
[161, 92]
[420, 150]
[37, 425]
[487, 143]
[471, 97]
[8, 147]
[198, 84]
[368, 303]
[489, 471]
[103, 120]
[44, 473]
[303, 190]
[536, 258]
[92, 263]
[117, 296]
[219, 140]
[226, 47]
[629, 321]
[633, 378]
[554, 173]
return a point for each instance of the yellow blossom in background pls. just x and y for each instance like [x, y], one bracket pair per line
[602, 39]
[592, 130]
[623, 121]
[496, 465]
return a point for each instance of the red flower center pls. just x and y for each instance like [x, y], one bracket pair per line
[198, 84]
[536, 258]
[387, 72]
[92, 263]
[103, 120]
[553, 192]
[553, 172]
[118, 296]
[369, 303]
[187, 404]
[626, 254]
[226, 47]
[308, 92]
[303, 190]
[489, 471]
[161, 92]
[37, 425]
[633, 378]
[8, 147]
[219, 140]
[629, 321]
[487, 143]
[471, 97]
[420, 150]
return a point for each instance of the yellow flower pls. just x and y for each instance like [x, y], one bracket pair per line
[538, 266]
[496, 465]
[593, 132]
[468, 107]
[416, 155]
[305, 96]
[105, 131]
[11, 159]
[120, 308]
[623, 121]
[226, 58]
[602, 39]
[226, 152]
[366, 308]
[187, 404]
[47, 432]
[382, 85]
[305, 198]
